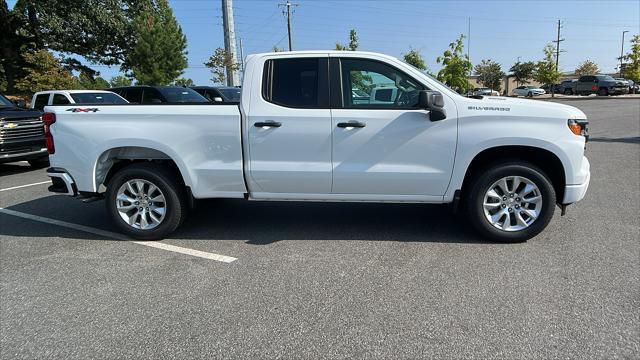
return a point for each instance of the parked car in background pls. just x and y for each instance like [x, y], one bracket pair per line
[632, 85]
[602, 85]
[548, 88]
[21, 135]
[224, 94]
[528, 91]
[64, 97]
[567, 87]
[144, 94]
[484, 91]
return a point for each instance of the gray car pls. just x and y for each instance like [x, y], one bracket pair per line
[602, 85]
[567, 87]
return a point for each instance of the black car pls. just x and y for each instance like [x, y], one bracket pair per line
[225, 94]
[159, 94]
[21, 135]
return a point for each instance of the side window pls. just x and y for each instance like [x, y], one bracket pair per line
[297, 83]
[374, 85]
[134, 95]
[41, 101]
[59, 99]
[151, 96]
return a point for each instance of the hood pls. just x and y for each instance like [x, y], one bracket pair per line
[518, 106]
[9, 113]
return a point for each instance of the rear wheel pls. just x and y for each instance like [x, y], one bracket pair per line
[511, 202]
[568, 92]
[146, 201]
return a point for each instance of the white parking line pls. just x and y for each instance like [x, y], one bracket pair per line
[109, 234]
[23, 186]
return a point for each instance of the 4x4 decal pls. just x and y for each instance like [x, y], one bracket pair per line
[86, 110]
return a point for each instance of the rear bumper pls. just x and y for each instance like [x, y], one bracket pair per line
[62, 182]
[575, 193]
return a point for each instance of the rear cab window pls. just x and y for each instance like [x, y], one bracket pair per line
[41, 101]
[60, 99]
[97, 98]
[297, 83]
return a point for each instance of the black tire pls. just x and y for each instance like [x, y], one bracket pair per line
[39, 163]
[568, 92]
[474, 199]
[167, 182]
[529, 94]
[603, 92]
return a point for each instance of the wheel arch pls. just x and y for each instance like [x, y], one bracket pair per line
[544, 159]
[111, 160]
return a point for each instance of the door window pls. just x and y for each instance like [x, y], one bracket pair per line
[59, 99]
[151, 96]
[41, 101]
[373, 85]
[297, 83]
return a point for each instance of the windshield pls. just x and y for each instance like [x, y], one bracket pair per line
[231, 94]
[181, 95]
[97, 98]
[4, 102]
[605, 77]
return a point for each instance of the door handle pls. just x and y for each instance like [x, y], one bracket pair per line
[269, 123]
[352, 124]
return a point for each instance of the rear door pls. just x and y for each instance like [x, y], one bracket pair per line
[386, 148]
[289, 128]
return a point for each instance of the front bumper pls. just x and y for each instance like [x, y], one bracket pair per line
[62, 182]
[575, 193]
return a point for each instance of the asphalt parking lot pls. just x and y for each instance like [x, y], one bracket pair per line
[300, 281]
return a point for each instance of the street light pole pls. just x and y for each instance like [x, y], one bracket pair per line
[622, 51]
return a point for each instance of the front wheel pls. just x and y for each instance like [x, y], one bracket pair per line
[511, 202]
[145, 201]
[603, 92]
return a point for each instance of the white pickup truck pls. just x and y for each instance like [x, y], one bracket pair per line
[304, 131]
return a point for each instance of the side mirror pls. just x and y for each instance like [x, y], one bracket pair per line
[156, 101]
[217, 99]
[434, 102]
[20, 103]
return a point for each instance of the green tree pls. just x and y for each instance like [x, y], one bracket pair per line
[455, 66]
[588, 67]
[183, 82]
[413, 57]
[120, 81]
[44, 72]
[546, 72]
[490, 74]
[87, 80]
[98, 30]
[159, 55]
[632, 68]
[523, 72]
[218, 63]
[353, 42]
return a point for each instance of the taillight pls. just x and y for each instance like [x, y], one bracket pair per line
[594, 88]
[48, 119]
[579, 127]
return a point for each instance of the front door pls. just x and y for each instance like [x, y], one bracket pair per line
[289, 129]
[383, 143]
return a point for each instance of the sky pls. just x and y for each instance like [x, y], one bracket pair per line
[502, 31]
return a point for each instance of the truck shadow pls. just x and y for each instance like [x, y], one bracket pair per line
[263, 223]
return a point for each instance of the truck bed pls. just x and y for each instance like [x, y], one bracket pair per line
[203, 140]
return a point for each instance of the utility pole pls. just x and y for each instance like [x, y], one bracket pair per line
[469, 39]
[230, 41]
[558, 41]
[622, 51]
[241, 55]
[288, 5]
